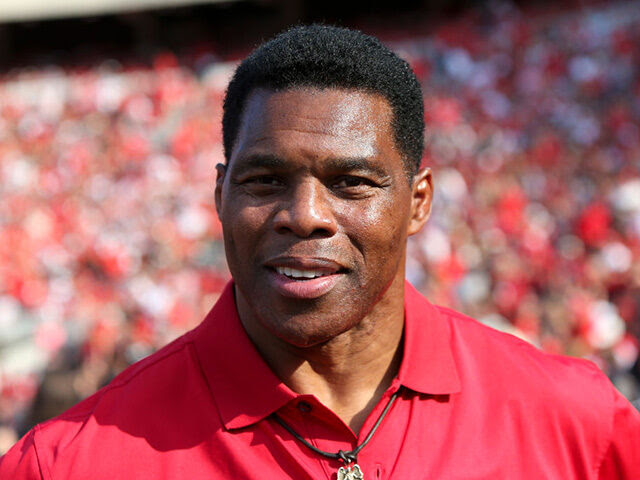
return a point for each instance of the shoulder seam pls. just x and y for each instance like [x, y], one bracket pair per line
[41, 465]
[142, 368]
[452, 313]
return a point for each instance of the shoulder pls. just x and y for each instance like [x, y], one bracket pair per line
[516, 379]
[155, 377]
[563, 401]
[162, 393]
[481, 350]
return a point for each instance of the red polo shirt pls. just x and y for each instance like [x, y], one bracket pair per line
[475, 403]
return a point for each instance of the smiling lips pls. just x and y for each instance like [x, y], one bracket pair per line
[300, 274]
[304, 279]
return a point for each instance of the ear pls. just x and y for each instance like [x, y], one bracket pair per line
[421, 196]
[221, 170]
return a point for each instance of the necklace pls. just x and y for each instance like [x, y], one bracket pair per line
[351, 469]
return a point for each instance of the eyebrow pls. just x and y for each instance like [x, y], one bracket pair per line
[356, 164]
[260, 161]
[340, 164]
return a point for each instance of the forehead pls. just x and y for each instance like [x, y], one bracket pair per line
[350, 123]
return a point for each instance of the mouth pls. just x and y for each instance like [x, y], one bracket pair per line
[304, 278]
[297, 274]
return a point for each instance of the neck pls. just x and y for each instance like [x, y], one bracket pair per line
[348, 373]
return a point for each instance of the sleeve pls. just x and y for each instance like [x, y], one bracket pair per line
[21, 461]
[622, 459]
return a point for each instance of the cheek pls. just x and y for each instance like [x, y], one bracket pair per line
[379, 230]
[241, 229]
[246, 221]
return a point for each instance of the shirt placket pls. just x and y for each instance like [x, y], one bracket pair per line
[321, 428]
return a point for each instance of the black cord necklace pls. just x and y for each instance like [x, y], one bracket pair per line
[351, 472]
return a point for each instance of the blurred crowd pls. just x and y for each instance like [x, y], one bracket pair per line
[110, 245]
[534, 136]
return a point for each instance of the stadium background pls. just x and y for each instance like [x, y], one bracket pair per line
[109, 133]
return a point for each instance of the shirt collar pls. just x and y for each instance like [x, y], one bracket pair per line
[245, 389]
[242, 384]
[427, 363]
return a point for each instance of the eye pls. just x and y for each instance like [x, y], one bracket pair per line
[267, 180]
[354, 186]
[260, 185]
[349, 181]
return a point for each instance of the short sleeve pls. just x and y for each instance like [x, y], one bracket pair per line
[622, 459]
[21, 461]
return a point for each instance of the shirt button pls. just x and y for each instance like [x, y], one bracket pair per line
[304, 407]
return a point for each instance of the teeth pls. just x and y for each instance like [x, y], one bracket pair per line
[310, 274]
[294, 273]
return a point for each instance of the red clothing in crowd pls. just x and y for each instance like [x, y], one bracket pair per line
[475, 403]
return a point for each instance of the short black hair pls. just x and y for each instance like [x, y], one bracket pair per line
[324, 56]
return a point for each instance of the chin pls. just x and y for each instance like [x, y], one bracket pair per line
[304, 332]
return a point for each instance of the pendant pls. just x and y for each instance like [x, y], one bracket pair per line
[349, 473]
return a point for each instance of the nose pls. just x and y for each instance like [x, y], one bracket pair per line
[306, 212]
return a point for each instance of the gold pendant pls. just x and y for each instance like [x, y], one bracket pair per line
[350, 473]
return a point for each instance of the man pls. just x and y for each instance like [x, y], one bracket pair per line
[319, 361]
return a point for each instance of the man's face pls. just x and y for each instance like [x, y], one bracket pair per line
[316, 208]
